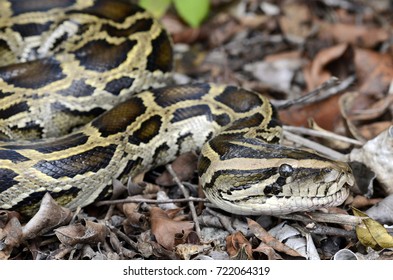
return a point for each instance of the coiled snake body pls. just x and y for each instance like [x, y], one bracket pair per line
[65, 62]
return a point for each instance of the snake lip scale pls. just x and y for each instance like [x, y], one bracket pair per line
[88, 78]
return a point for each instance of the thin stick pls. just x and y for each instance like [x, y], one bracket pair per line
[327, 89]
[186, 195]
[322, 134]
[151, 201]
[313, 145]
[323, 217]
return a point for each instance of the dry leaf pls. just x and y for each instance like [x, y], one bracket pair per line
[377, 154]
[382, 211]
[294, 19]
[49, 216]
[164, 226]
[186, 251]
[184, 167]
[238, 247]
[269, 240]
[85, 232]
[10, 237]
[357, 35]
[268, 251]
[371, 233]
[374, 71]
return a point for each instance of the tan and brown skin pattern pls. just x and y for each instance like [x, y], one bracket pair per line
[243, 168]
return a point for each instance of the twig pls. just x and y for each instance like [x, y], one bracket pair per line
[123, 236]
[327, 89]
[151, 201]
[313, 145]
[333, 231]
[323, 217]
[186, 195]
[321, 134]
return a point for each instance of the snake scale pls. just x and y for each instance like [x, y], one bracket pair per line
[105, 62]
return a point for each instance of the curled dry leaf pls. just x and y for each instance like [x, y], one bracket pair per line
[134, 218]
[377, 154]
[184, 166]
[238, 247]
[371, 233]
[269, 240]
[164, 227]
[356, 107]
[10, 237]
[50, 215]
[85, 232]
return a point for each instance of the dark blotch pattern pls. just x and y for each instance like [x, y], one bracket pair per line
[33, 74]
[31, 29]
[91, 160]
[222, 119]
[101, 56]
[120, 117]
[240, 100]
[147, 131]
[56, 145]
[13, 110]
[203, 165]
[117, 85]
[20, 7]
[181, 114]
[252, 121]
[159, 150]
[114, 10]
[161, 56]
[141, 25]
[167, 96]
[13, 156]
[7, 179]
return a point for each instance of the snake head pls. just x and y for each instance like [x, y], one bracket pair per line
[275, 180]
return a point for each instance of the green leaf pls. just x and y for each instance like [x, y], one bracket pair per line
[192, 11]
[156, 7]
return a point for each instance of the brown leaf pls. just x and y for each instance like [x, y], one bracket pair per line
[374, 71]
[86, 232]
[10, 237]
[269, 240]
[134, 218]
[268, 251]
[358, 35]
[336, 61]
[165, 228]
[238, 247]
[49, 216]
[377, 154]
[184, 166]
[294, 19]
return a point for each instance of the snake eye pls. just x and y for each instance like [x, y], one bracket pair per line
[285, 170]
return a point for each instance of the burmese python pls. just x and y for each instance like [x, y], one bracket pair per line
[64, 62]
